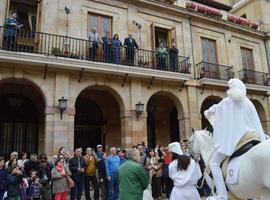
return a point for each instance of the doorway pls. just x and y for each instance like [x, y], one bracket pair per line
[88, 124]
[161, 35]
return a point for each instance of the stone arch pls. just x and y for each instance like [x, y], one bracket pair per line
[111, 90]
[22, 105]
[207, 103]
[172, 97]
[24, 81]
[261, 112]
[107, 130]
[165, 118]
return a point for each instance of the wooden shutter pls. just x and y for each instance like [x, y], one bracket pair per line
[247, 58]
[208, 48]
[172, 37]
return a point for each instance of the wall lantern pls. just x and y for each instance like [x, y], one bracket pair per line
[62, 105]
[139, 108]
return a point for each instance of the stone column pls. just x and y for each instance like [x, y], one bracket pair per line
[184, 126]
[126, 129]
[194, 113]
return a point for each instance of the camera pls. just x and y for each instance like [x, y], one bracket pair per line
[139, 26]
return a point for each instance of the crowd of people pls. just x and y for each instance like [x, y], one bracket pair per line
[110, 177]
[108, 49]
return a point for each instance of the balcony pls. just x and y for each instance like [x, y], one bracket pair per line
[254, 77]
[76, 49]
[213, 71]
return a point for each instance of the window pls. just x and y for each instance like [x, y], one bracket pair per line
[247, 58]
[209, 50]
[101, 22]
[209, 68]
[248, 66]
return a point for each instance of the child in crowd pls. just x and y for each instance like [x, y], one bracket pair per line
[35, 188]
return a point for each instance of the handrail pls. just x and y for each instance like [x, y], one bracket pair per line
[77, 48]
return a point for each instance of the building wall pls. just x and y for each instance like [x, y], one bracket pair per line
[117, 97]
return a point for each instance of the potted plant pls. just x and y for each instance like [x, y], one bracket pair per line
[231, 18]
[254, 26]
[191, 6]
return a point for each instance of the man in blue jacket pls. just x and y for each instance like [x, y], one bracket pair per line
[112, 165]
[11, 27]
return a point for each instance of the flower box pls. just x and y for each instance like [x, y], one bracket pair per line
[209, 11]
[191, 6]
[231, 18]
[254, 26]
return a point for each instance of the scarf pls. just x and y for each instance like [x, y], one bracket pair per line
[60, 169]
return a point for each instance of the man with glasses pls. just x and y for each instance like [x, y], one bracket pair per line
[13, 155]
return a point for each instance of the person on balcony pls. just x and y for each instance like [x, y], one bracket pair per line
[94, 39]
[162, 55]
[117, 45]
[11, 27]
[107, 47]
[173, 53]
[130, 45]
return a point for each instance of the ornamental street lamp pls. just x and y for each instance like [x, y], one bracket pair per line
[62, 106]
[139, 108]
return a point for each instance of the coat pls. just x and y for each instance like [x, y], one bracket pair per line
[14, 182]
[132, 179]
[11, 27]
[3, 180]
[184, 181]
[59, 182]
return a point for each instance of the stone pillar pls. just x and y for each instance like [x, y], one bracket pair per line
[184, 126]
[49, 131]
[268, 116]
[194, 113]
[126, 129]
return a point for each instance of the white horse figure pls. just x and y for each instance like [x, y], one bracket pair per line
[254, 172]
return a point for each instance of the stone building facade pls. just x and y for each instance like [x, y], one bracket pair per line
[102, 97]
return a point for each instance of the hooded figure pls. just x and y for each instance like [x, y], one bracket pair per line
[185, 173]
[231, 119]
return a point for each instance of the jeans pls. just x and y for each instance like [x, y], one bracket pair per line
[2, 194]
[87, 180]
[76, 191]
[14, 198]
[113, 187]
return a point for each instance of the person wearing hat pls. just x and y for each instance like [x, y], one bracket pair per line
[185, 173]
[231, 119]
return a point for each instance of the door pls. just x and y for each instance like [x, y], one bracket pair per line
[248, 66]
[209, 57]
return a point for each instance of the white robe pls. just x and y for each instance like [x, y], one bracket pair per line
[184, 181]
[231, 121]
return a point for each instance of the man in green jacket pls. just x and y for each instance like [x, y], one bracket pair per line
[132, 177]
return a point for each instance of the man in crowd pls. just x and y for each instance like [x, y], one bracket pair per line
[90, 174]
[101, 157]
[112, 165]
[107, 47]
[13, 155]
[11, 27]
[32, 164]
[142, 154]
[76, 166]
[132, 177]
[130, 45]
[173, 53]
[94, 39]
[45, 177]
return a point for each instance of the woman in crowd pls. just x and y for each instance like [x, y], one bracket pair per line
[154, 166]
[59, 184]
[22, 159]
[3, 178]
[185, 173]
[117, 44]
[63, 151]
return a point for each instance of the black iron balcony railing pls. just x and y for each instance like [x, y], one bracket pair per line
[213, 71]
[254, 77]
[75, 48]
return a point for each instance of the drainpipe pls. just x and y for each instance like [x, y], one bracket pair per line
[192, 48]
[267, 53]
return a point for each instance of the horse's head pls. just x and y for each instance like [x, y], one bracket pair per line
[200, 139]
